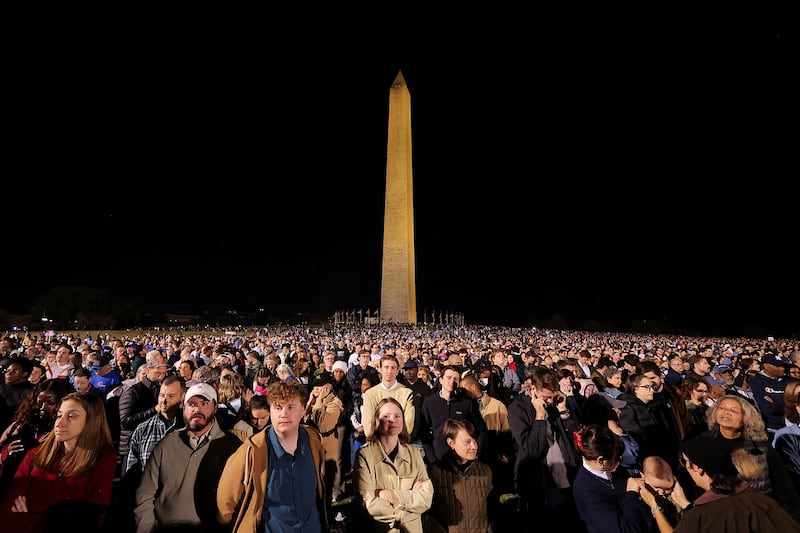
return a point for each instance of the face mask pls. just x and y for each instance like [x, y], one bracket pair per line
[483, 381]
[94, 368]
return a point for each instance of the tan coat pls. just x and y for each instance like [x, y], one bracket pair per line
[324, 416]
[374, 470]
[495, 414]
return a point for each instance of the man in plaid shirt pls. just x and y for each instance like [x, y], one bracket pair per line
[168, 418]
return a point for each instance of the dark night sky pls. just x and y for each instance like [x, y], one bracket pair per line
[615, 171]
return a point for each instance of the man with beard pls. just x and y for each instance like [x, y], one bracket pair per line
[178, 487]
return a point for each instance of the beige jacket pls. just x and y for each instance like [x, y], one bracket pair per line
[374, 470]
[495, 414]
[324, 416]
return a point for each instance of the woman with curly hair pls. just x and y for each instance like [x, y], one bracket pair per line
[735, 424]
[68, 477]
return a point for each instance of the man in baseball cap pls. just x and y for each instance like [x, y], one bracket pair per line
[177, 490]
[721, 375]
[768, 387]
[203, 390]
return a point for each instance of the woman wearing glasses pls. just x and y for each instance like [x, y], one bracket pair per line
[644, 421]
[695, 391]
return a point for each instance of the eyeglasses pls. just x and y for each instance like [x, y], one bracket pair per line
[648, 387]
[704, 391]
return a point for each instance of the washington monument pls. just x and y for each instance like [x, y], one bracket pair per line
[398, 283]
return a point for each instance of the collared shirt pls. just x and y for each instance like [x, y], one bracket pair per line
[290, 502]
[146, 436]
[599, 473]
[396, 385]
[195, 441]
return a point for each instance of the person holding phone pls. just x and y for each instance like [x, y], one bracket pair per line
[542, 426]
[664, 486]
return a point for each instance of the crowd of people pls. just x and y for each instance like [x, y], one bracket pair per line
[405, 428]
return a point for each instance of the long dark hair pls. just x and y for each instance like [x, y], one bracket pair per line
[28, 411]
[595, 441]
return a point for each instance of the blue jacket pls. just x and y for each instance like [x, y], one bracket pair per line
[764, 387]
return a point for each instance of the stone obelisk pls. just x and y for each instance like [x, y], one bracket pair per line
[398, 283]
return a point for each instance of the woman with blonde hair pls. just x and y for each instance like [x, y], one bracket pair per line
[68, 478]
[735, 424]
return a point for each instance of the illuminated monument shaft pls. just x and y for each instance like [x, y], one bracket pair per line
[398, 284]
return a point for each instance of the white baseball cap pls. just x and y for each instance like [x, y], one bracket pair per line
[201, 389]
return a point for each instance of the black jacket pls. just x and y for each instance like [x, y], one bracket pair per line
[137, 404]
[531, 474]
[435, 412]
